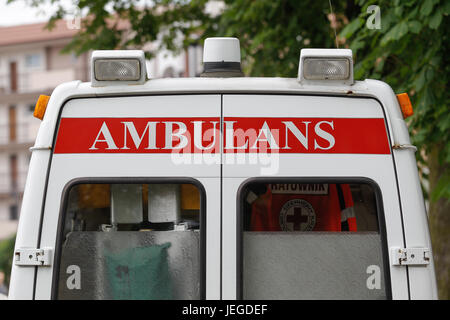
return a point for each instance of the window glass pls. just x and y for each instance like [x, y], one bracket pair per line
[33, 60]
[131, 241]
[311, 241]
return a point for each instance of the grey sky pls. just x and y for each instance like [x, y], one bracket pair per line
[19, 13]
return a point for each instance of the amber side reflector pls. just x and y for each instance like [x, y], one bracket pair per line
[405, 105]
[41, 106]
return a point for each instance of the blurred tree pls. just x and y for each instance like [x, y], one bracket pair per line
[408, 52]
[6, 257]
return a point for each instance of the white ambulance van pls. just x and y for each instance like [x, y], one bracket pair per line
[223, 186]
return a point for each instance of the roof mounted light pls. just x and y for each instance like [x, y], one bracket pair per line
[326, 66]
[117, 67]
[222, 58]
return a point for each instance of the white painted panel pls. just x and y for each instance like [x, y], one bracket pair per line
[139, 165]
[365, 168]
[145, 106]
[299, 106]
[237, 168]
[22, 278]
[66, 167]
[422, 279]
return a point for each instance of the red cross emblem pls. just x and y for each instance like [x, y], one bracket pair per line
[300, 216]
[297, 215]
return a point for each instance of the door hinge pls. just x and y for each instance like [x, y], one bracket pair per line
[410, 256]
[33, 257]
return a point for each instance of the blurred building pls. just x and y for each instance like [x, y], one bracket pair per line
[31, 64]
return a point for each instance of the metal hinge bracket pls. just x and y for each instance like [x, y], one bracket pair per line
[33, 257]
[410, 256]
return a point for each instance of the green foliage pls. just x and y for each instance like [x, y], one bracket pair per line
[410, 52]
[6, 257]
[442, 190]
[273, 32]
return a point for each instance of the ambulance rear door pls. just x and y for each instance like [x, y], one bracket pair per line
[310, 206]
[131, 210]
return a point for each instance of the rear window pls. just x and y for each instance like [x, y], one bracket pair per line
[131, 241]
[312, 240]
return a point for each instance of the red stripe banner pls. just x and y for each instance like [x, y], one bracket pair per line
[240, 135]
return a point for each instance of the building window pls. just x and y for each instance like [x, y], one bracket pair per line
[12, 116]
[169, 72]
[13, 171]
[13, 77]
[73, 58]
[13, 213]
[33, 60]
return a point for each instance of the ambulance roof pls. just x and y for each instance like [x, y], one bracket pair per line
[367, 88]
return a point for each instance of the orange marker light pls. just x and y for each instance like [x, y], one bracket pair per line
[41, 106]
[405, 105]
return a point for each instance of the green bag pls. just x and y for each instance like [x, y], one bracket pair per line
[139, 273]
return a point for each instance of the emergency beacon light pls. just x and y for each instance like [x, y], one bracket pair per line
[111, 67]
[326, 65]
[222, 57]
